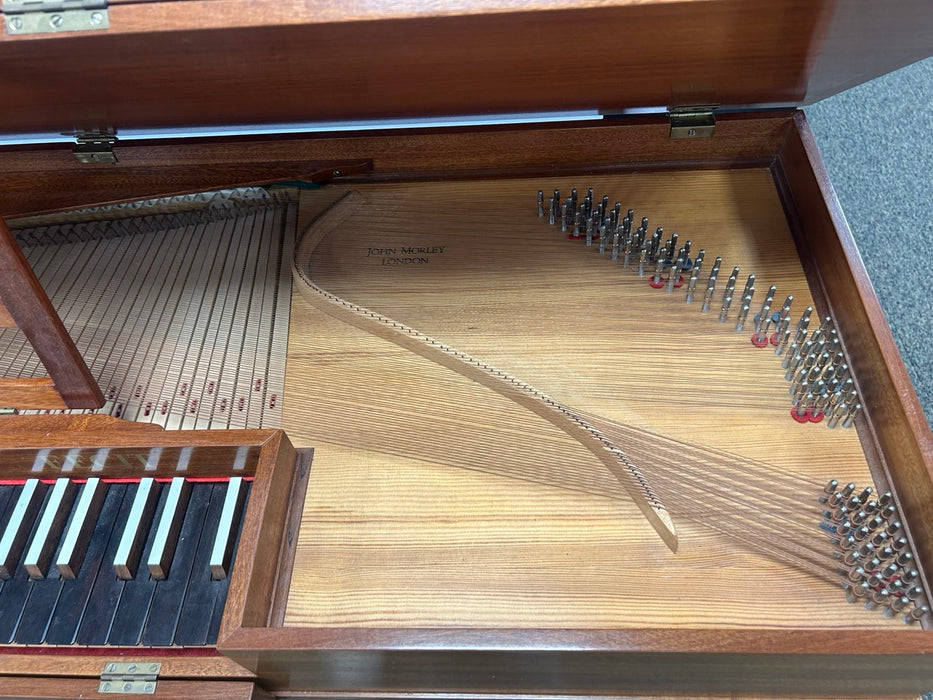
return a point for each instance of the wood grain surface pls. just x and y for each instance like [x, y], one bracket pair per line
[435, 502]
[35, 316]
[214, 62]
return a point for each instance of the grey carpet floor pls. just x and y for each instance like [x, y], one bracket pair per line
[877, 142]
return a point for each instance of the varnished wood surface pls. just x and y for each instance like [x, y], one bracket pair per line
[435, 502]
[896, 423]
[6, 321]
[51, 688]
[70, 444]
[58, 663]
[306, 60]
[30, 392]
[36, 317]
[344, 658]
[48, 179]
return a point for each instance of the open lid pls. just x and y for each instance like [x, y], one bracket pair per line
[199, 63]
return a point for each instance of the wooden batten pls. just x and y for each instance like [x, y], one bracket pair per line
[147, 170]
[6, 320]
[30, 392]
[71, 385]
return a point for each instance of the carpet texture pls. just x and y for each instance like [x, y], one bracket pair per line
[877, 142]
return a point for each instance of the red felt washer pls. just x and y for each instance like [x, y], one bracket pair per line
[759, 340]
[800, 417]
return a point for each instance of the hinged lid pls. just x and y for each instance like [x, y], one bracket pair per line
[220, 62]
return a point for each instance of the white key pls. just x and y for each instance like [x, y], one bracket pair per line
[18, 527]
[226, 528]
[129, 551]
[40, 551]
[173, 514]
[81, 527]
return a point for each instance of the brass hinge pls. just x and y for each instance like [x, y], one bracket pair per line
[40, 16]
[692, 122]
[123, 678]
[95, 146]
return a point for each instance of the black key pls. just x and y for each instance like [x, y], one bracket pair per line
[169, 528]
[229, 522]
[78, 535]
[71, 604]
[129, 619]
[220, 598]
[104, 596]
[8, 495]
[198, 607]
[18, 528]
[170, 593]
[16, 589]
[39, 608]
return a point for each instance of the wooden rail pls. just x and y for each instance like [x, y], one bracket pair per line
[70, 384]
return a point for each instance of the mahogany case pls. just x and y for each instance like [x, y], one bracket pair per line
[176, 64]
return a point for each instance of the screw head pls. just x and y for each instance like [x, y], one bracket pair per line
[56, 21]
[16, 23]
[97, 18]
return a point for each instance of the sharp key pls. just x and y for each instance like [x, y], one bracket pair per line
[19, 525]
[227, 527]
[126, 560]
[39, 555]
[80, 528]
[163, 548]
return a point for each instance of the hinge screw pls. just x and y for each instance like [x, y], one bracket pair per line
[97, 18]
[56, 21]
[16, 23]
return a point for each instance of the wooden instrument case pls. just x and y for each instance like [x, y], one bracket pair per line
[171, 65]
